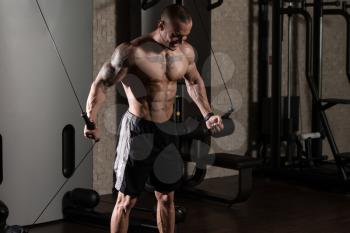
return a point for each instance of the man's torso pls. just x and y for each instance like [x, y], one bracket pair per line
[153, 72]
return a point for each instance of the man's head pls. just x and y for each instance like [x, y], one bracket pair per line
[175, 25]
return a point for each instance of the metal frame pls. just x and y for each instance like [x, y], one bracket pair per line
[313, 75]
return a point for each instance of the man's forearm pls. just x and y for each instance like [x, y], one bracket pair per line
[198, 94]
[95, 99]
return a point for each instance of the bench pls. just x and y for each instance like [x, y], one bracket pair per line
[243, 164]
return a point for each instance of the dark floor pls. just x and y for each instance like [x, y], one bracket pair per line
[274, 207]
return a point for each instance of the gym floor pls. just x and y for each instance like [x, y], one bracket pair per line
[274, 207]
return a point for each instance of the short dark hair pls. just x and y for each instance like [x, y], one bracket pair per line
[176, 11]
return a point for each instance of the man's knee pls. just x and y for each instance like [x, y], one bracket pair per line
[125, 202]
[165, 199]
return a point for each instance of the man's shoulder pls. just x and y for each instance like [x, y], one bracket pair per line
[188, 50]
[141, 40]
[186, 45]
[123, 49]
[128, 50]
[130, 45]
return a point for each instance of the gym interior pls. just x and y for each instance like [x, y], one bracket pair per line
[277, 72]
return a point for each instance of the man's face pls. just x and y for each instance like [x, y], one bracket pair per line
[175, 32]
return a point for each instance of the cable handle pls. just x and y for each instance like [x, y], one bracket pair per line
[228, 113]
[89, 124]
[229, 126]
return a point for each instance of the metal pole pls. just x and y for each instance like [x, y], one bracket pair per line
[263, 62]
[276, 82]
[317, 71]
[290, 60]
[288, 122]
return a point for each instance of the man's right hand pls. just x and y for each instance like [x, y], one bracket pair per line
[92, 134]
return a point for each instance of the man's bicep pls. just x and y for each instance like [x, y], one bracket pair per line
[116, 68]
[107, 74]
[192, 75]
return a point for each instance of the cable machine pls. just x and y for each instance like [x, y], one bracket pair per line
[306, 162]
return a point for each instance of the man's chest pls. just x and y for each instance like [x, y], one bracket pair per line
[157, 65]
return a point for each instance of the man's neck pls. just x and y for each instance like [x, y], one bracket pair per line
[157, 37]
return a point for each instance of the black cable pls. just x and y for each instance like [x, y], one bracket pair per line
[64, 183]
[212, 51]
[59, 55]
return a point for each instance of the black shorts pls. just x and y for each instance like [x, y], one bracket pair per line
[147, 151]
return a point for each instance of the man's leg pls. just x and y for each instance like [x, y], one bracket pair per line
[165, 212]
[121, 212]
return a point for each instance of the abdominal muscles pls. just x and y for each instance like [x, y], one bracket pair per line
[156, 102]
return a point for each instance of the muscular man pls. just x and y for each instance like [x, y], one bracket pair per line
[156, 61]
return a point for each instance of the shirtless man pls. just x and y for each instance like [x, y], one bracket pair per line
[157, 60]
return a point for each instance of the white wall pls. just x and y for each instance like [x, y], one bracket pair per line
[36, 102]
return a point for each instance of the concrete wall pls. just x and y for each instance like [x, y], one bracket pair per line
[104, 41]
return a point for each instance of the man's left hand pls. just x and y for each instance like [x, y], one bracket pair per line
[214, 123]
